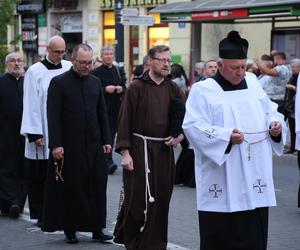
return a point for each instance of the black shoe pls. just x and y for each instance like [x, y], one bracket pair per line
[14, 211]
[102, 236]
[39, 223]
[71, 237]
[112, 168]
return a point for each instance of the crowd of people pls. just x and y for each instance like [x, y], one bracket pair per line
[60, 121]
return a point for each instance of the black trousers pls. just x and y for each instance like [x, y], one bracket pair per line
[245, 230]
[280, 104]
[292, 132]
[299, 181]
[36, 177]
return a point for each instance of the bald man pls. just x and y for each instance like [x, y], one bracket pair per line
[12, 174]
[34, 121]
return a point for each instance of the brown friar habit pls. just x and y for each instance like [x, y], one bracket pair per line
[145, 110]
[77, 121]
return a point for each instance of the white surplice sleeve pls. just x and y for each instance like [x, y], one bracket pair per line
[273, 115]
[204, 136]
[32, 115]
[297, 113]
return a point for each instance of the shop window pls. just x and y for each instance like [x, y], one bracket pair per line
[109, 36]
[109, 18]
[159, 33]
[65, 3]
[287, 41]
[109, 32]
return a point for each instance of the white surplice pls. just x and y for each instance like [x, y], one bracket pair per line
[34, 119]
[297, 114]
[231, 182]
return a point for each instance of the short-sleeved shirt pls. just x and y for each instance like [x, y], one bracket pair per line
[275, 88]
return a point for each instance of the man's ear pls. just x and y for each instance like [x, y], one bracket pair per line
[220, 64]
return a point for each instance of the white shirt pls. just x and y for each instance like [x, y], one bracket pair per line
[34, 119]
[230, 182]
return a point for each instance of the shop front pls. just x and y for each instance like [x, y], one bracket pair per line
[268, 25]
[138, 38]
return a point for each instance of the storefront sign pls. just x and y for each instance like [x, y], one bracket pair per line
[42, 20]
[108, 4]
[138, 20]
[220, 14]
[29, 36]
[181, 17]
[130, 12]
[42, 41]
[71, 23]
[30, 7]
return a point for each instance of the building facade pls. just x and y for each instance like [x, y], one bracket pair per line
[193, 33]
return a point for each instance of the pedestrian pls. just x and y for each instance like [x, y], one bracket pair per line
[97, 63]
[198, 72]
[289, 103]
[13, 189]
[145, 138]
[264, 79]
[232, 126]
[280, 75]
[141, 68]
[178, 76]
[79, 136]
[113, 80]
[210, 68]
[34, 121]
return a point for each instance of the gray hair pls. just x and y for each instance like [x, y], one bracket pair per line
[295, 62]
[83, 46]
[106, 48]
[8, 56]
[200, 65]
[145, 59]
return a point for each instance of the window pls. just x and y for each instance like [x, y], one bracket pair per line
[159, 33]
[287, 41]
[109, 32]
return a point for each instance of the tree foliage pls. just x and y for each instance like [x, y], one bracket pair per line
[7, 10]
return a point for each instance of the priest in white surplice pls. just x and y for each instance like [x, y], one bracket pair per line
[34, 121]
[297, 119]
[233, 126]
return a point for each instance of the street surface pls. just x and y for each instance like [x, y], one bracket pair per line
[284, 227]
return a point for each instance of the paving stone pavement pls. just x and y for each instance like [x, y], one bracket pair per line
[284, 227]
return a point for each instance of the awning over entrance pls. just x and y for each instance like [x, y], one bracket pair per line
[226, 10]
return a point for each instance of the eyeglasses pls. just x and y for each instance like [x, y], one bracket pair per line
[58, 52]
[162, 60]
[84, 63]
[15, 60]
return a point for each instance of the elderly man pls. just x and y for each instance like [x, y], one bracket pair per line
[145, 141]
[12, 172]
[113, 81]
[79, 136]
[232, 126]
[34, 121]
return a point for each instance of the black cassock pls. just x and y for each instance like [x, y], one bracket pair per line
[12, 172]
[77, 121]
[112, 76]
